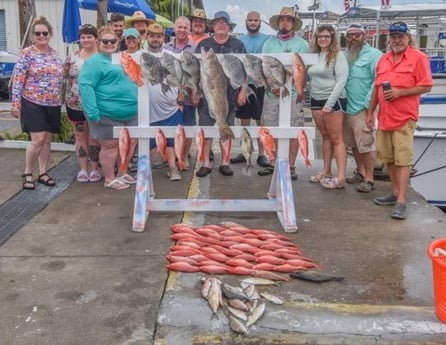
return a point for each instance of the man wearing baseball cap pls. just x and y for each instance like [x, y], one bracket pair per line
[408, 71]
[362, 60]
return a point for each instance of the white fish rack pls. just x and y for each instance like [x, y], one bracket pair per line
[280, 197]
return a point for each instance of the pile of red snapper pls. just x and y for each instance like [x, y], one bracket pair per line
[230, 248]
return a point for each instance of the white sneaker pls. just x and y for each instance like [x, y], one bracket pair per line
[173, 174]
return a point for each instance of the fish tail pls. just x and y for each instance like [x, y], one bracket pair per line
[307, 162]
[226, 132]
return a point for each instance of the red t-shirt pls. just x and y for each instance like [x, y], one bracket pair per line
[412, 69]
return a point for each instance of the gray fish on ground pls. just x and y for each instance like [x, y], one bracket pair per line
[214, 86]
[239, 314]
[173, 65]
[276, 74]
[315, 276]
[271, 298]
[238, 304]
[237, 326]
[253, 68]
[214, 296]
[251, 292]
[247, 150]
[255, 315]
[230, 291]
[154, 71]
[256, 281]
[206, 286]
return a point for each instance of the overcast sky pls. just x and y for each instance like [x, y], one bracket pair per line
[238, 9]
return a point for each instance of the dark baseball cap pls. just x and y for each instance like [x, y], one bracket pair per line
[399, 28]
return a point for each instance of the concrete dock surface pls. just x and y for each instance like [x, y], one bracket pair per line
[75, 273]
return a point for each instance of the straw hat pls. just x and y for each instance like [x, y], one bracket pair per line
[285, 12]
[155, 28]
[138, 16]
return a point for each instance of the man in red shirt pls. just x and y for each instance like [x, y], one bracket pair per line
[407, 70]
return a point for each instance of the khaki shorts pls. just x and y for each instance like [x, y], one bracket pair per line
[270, 116]
[357, 134]
[396, 146]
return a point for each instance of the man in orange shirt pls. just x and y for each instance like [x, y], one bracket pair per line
[407, 70]
[198, 21]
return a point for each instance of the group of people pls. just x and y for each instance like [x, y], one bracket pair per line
[345, 90]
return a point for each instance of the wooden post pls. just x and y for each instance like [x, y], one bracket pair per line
[102, 13]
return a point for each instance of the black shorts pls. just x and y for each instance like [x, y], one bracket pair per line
[254, 105]
[75, 115]
[39, 118]
[340, 105]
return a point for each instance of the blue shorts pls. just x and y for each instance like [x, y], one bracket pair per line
[189, 115]
[174, 120]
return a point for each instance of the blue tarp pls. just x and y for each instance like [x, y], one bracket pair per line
[126, 7]
[71, 21]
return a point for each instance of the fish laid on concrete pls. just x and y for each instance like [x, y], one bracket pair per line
[314, 276]
[215, 296]
[247, 150]
[271, 298]
[180, 147]
[303, 146]
[237, 326]
[253, 67]
[154, 71]
[131, 68]
[255, 315]
[275, 73]
[214, 86]
[269, 145]
[124, 149]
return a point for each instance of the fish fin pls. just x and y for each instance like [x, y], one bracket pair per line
[247, 170]
[307, 162]
[165, 88]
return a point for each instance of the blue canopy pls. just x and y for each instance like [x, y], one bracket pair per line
[71, 21]
[126, 7]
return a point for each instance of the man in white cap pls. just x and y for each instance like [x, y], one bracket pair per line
[403, 74]
[286, 41]
[139, 21]
[362, 59]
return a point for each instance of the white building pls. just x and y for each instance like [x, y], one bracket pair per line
[51, 9]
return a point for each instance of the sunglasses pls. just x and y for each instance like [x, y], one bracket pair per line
[398, 27]
[109, 41]
[87, 26]
[354, 35]
[41, 33]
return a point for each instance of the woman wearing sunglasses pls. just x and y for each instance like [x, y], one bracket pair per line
[328, 103]
[109, 98]
[36, 100]
[87, 148]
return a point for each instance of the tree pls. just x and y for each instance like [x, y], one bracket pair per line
[27, 12]
[102, 13]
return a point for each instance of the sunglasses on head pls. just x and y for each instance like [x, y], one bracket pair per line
[41, 33]
[398, 27]
[87, 26]
[109, 41]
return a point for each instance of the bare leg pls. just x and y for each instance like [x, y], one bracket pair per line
[368, 162]
[33, 150]
[327, 147]
[108, 157]
[334, 121]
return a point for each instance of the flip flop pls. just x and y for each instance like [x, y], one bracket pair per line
[116, 184]
[126, 178]
[318, 177]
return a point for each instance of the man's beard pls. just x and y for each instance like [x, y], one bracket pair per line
[252, 31]
[353, 51]
[284, 31]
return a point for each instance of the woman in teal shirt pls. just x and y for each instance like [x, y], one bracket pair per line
[110, 98]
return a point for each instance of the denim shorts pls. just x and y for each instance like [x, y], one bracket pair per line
[174, 120]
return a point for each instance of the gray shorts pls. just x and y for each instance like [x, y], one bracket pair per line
[103, 130]
[270, 116]
[357, 134]
[204, 119]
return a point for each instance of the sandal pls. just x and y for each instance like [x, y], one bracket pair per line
[95, 176]
[48, 181]
[332, 183]
[82, 176]
[26, 183]
[318, 177]
[126, 178]
[116, 184]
